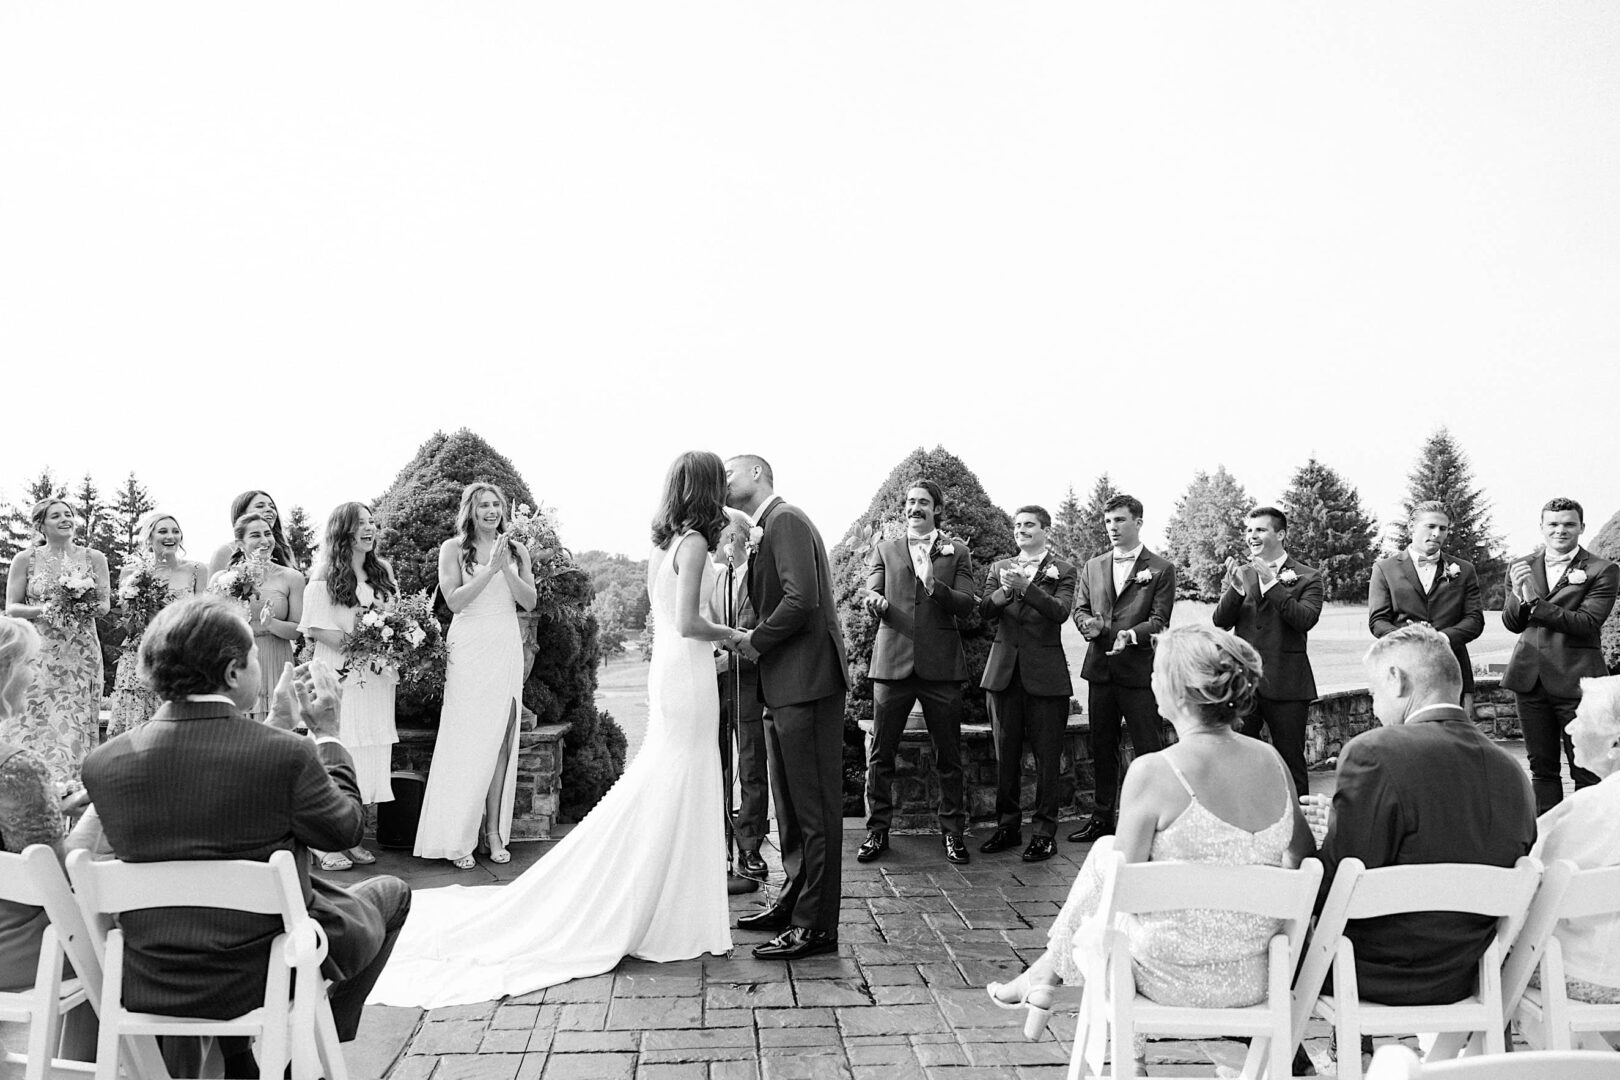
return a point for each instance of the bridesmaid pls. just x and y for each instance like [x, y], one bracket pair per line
[62, 721]
[160, 538]
[276, 617]
[481, 573]
[255, 502]
[349, 579]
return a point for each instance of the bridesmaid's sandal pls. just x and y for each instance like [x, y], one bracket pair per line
[336, 860]
[466, 862]
[1036, 998]
[362, 856]
[497, 850]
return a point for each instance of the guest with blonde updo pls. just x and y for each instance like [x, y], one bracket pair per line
[160, 540]
[1213, 797]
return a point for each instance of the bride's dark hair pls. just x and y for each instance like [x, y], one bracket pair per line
[694, 498]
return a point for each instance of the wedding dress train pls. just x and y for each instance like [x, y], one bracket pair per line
[643, 875]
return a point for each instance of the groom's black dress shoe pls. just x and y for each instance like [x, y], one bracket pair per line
[796, 942]
[1040, 847]
[955, 850]
[770, 920]
[749, 864]
[1095, 829]
[1001, 840]
[875, 844]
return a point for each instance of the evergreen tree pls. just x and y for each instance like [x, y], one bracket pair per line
[970, 517]
[300, 533]
[1329, 529]
[1205, 530]
[18, 531]
[1443, 472]
[1064, 535]
[1095, 537]
[130, 504]
[96, 520]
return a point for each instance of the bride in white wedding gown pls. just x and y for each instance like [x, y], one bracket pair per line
[645, 873]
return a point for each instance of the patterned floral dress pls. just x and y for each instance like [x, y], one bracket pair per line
[62, 722]
[29, 814]
[132, 702]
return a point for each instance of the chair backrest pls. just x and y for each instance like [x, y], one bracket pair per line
[1400, 1063]
[1267, 891]
[35, 877]
[1592, 892]
[1531, 943]
[110, 886]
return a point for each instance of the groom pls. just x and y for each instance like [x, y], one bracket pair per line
[803, 678]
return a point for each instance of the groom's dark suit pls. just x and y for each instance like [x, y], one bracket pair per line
[803, 677]
[1451, 604]
[201, 781]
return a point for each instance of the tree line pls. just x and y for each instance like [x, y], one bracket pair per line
[1328, 525]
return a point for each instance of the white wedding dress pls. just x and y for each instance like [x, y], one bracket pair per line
[643, 875]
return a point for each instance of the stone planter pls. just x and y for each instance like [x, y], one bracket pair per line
[539, 772]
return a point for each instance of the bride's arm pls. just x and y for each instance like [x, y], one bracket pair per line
[690, 555]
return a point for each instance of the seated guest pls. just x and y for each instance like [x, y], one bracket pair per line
[29, 809]
[1213, 797]
[245, 790]
[1426, 787]
[1582, 830]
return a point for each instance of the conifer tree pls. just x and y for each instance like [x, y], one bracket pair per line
[1443, 472]
[1064, 535]
[1094, 536]
[18, 531]
[1329, 529]
[1205, 530]
[301, 537]
[130, 504]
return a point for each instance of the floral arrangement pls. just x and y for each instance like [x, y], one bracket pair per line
[562, 587]
[71, 599]
[401, 636]
[142, 595]
[241, 583]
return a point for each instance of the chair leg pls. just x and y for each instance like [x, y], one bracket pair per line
[327, 1043]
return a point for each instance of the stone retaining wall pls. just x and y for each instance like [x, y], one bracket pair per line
[539, 774]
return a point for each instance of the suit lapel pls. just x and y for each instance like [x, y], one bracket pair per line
[770, 508]
[1538, 573]
[1415, 580]
[1577, 563]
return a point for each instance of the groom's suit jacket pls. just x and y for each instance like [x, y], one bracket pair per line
[1029, 630]
[918, 634]
[1142, 606]
[1276, 624]
[1451, 604]
[201, 781]
[790, 587]
[1559, 634]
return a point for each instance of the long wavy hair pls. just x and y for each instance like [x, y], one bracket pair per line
[468, 532]
[282, 553]
[36, 517]
[338, 553]
[694, 498]
[147, 525]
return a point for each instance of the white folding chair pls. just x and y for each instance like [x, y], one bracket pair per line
[1545, 1015]
[1359, 893]
[52, 997]
[1400, 1063]
[1111, 1005]
[301, 1030]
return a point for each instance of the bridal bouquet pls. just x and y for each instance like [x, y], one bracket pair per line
[142, 595]
[71, 599]
[401, 636]
[241, 583]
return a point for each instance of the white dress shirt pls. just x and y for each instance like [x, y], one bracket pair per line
[1124, 566]
[1555, 566]
[1276, 566]
[919, 547]
[1425, 573]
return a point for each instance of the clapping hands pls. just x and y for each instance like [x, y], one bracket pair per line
[1240, 574]
[306, 696]
[1521, 581]
[1014, 580]
[1316, 809]
[876, 604]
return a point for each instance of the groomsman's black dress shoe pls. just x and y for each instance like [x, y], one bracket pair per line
[1040, 847]
[749, 864]
[875, 844]
[1001, 840]
[797, 942]
[1097, 828]
[955, 849]
[771, 920]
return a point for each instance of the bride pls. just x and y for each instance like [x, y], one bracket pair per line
[645, 873]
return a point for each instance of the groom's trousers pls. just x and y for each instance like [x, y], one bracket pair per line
[805, 745]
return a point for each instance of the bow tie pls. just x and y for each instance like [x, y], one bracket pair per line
[1559, 560]
[925, 540]
[1427, 560]
[1027, 560]
[1124, 558]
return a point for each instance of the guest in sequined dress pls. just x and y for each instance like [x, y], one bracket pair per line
[1214, 797]
[163, 543]
[280, 607]
[62, 721]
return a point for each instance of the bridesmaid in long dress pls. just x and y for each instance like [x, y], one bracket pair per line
[63, 720]
[280, 608]
[161, 540]
[255, 502]
[485, 578]
[349, 579]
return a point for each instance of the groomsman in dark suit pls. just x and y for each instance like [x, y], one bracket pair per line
[1272, 601]
[803, 678]
[1029, 597]
[917, 586]
[1123, 599]
[1556, 602]
[1423, 585]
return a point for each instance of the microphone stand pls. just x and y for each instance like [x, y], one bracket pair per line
[736, 884]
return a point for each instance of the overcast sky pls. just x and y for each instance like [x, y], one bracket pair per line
[277, 246]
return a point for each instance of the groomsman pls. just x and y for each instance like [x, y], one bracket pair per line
[1272, 601]
[1124, 598]
[1424, 585]
[917, 586]
[739, 698]
[1556, 602]
[1027, 676]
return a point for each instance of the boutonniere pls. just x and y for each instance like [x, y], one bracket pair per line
[1287, 577]
[1576, 576]
[755, 535]
[1450, 573]
[1143, 577]
[1051, 573]
[944, 549]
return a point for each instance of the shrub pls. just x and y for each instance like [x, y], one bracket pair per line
[1607, 544]
[970, 517]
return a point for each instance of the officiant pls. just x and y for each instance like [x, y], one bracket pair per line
[739, 691]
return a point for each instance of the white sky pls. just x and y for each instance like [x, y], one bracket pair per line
[279, 245]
